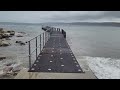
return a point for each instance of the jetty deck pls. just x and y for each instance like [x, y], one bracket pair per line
[56, 56]
[55, 60]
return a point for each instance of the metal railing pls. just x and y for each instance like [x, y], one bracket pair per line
[43, 38]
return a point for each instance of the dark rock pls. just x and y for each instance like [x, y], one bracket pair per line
[1, 29]
[19, 35]
[0, 36]
[20, 42]
[7, 38]
[1, 58]
[5, 35]
[11, 32]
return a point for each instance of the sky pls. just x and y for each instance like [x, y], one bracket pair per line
[59, 16]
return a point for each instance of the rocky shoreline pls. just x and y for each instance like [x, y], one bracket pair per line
[10, 69]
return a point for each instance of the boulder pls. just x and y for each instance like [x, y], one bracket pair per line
[7, 38]
[19, 35]
[20, 42]
[16, 68]
[1, 58]
[5, 35]
[7, 69]
[4, 43]
[2, 73]
[11, 32]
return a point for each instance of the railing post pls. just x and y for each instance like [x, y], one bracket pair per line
[40, 43]
[43, 39]
[46, 37]
[29, 56]
[36, 48]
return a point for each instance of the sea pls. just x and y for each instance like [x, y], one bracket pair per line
[97, 46]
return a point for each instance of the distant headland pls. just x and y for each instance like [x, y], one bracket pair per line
[117, 24]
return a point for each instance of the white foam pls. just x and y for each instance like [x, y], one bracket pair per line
[104, 68]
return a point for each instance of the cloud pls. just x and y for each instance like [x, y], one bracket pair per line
[58, 16]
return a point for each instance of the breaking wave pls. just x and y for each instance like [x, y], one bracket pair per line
[104, 68]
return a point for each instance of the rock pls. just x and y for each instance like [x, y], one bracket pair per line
[10, 63]
[1, 30]
[16, 68]
[22, 32]
[11, 32]
[0, 36]
[1, 58]
[20, 42]
[7, 38]
[5, 35]
[2, 73]
[14, 73]
[4, 43]
[19, 35]
[7, 69]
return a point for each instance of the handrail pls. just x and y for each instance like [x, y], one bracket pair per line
[44, 37]
[33, 38]
[40, 45]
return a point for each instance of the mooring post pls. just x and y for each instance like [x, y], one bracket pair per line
[36, 48]
[29, 56]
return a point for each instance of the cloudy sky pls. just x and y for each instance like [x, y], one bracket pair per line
[59, 16]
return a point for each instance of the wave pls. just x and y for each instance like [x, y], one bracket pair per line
[103, 68]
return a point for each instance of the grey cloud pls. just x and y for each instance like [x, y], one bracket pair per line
[56, 16]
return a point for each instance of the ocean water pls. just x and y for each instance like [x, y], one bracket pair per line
[98, 46]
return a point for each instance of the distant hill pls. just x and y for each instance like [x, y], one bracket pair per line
[97, 23]
[72, 23]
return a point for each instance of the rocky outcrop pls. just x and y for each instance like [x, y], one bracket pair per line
[12, 69]
[6, 34]
[4, 43]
